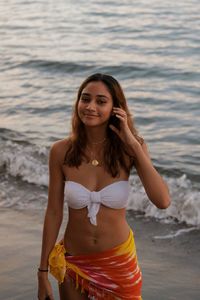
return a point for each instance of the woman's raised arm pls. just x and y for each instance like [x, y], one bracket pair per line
[154, 185]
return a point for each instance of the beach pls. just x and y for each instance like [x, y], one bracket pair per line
[170, 267]
[152, 48]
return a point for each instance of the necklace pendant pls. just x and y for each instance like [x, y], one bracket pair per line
[95, 162]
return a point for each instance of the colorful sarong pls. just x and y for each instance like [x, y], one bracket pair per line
[111, 274]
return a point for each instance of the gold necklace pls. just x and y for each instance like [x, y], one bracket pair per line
[96, 143]
[94, 161]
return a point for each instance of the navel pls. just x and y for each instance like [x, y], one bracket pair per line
[95, 241]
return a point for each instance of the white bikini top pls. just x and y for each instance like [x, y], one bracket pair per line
[114, 195]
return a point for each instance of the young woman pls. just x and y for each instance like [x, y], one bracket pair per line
[90, 169]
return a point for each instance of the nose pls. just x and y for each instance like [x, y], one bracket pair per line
[91, 106]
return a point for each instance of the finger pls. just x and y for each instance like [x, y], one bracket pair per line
[118, 109]
[122, 118]
[121, 113]
[114, 129]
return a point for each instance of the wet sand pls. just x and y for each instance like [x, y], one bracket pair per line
[171, 267]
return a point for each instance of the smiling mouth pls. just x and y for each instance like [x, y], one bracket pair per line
[89, 115]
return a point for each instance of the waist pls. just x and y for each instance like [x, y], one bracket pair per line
[81, 237]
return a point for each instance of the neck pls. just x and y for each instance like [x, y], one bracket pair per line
[95, 136]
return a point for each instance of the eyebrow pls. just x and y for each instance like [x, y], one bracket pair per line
[100, 96]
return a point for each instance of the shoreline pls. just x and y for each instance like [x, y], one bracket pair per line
[170, 267]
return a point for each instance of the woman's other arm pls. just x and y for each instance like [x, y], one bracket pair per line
[53, 216]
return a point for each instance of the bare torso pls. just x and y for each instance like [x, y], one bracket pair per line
[82, 237]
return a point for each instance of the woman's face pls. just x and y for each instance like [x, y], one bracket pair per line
[95, 104]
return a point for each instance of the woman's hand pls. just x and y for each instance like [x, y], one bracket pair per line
[124, 132]
[44, 287]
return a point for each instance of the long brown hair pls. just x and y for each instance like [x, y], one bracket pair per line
[115, 154]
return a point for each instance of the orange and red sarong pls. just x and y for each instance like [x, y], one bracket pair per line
[108, 275]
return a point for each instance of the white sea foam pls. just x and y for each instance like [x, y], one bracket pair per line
[175, 234]
[27, 162]
[185, 205]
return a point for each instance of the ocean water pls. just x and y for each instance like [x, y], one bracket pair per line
[152, 47]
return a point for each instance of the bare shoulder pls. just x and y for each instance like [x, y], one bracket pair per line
[58, 149]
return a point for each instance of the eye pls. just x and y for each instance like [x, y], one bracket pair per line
[101, 101]
[85, 99]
